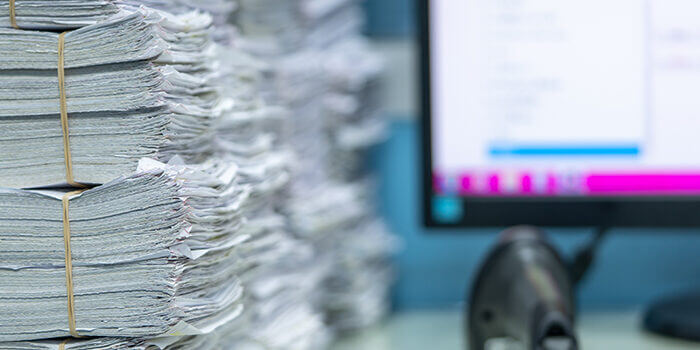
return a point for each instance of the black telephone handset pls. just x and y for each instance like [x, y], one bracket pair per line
[523, 291]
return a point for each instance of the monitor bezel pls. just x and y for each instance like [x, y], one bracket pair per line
[570, 211]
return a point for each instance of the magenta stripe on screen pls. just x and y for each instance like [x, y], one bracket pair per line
[466, 184]
[526, 183]
[643, 183]
[494, 185]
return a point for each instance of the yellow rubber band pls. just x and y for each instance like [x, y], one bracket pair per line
[13, 19]
[69, 263]
[64, 111]
[62, 346]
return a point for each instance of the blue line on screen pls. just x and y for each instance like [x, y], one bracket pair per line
[569, 150]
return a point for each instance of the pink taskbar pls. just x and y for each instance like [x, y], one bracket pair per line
[552, 184]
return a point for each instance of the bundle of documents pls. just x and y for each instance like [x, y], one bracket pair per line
[55, 14]
[193, 237]
[220, 10]
[304, 73]
[211, 341]
[356, 293]
[356, 247]
[250, 141]
[327, 76]
[274, 27]
[283, 292]
[136, 271]
[158, 250]
[279, 285]
[136, 86]
[275, 268]
[353, 106]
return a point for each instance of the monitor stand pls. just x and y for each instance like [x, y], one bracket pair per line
[676, 316]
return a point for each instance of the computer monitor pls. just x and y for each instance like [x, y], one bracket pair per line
[561, 113]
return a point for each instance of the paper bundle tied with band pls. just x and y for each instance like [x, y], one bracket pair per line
[150, 254]
[82, 107]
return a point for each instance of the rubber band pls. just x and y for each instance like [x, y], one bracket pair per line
[69, 263]
[62, 346]
[13, 19]
[64, 111]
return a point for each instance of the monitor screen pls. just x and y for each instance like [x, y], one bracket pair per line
[556, 99]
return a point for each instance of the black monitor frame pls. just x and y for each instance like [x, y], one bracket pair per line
[560, 211]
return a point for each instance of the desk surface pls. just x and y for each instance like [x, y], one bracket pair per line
[443, 330]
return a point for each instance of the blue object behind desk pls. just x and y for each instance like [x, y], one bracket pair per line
[633, 267]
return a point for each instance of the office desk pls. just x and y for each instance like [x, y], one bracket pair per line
[442, 330]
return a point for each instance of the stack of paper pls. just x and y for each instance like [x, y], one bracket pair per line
[276, 269]
[165, 249]
[136, 271]
[56, 14]
[220, 10]
[353, 106]
[328, 76]
[221, 253]
[275, 27]
[286, 295]
[356, 293]
[278, 291]
[210, 341]
[299, 70]
[137, 85]
[283, 274]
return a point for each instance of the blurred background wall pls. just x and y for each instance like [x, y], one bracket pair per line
[435, 267]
